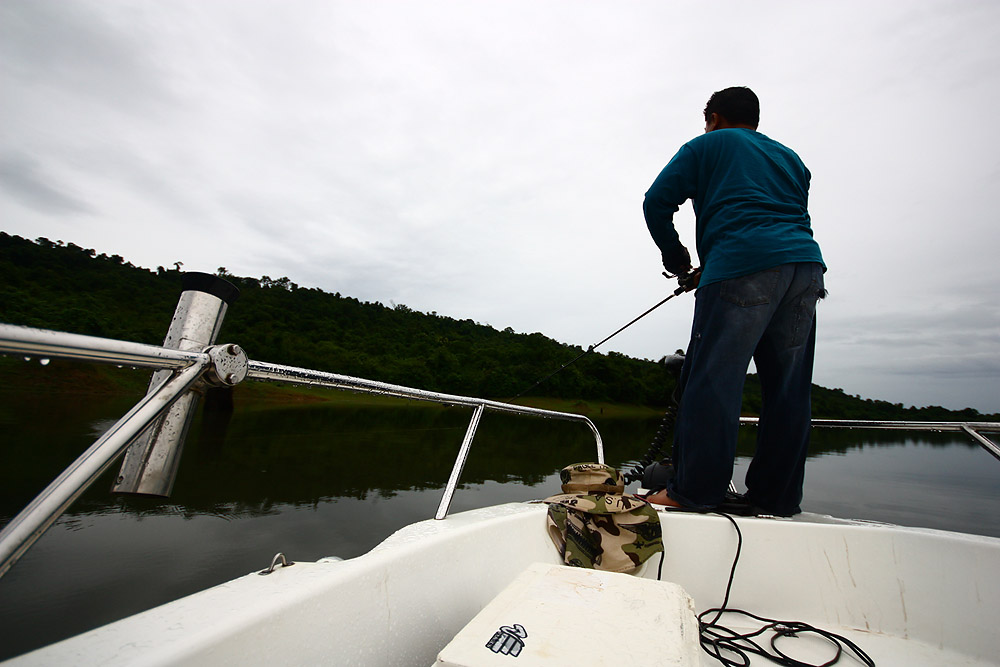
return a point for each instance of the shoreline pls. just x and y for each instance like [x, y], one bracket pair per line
[70, 378]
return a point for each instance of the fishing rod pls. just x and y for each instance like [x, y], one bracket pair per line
[687, 282]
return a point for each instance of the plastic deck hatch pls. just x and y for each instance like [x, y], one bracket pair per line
[559, 615]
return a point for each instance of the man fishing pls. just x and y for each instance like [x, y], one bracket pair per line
[760, 278]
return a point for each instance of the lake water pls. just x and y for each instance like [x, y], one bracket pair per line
[334, 479]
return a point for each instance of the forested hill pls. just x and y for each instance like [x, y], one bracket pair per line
[62, 286]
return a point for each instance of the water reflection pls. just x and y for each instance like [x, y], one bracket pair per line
[335, 479]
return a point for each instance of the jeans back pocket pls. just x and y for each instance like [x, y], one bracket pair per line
[755, 289]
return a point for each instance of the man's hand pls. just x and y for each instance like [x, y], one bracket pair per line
[677, 262]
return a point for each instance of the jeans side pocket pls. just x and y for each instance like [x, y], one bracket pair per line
[805, 310]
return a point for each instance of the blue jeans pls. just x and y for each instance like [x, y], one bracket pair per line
[769, 316]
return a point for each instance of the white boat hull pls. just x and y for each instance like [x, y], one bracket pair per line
[906, 596]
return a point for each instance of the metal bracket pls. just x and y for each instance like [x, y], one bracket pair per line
[274, 563]
[229, 365]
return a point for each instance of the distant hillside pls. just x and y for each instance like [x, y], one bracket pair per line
[62, 286]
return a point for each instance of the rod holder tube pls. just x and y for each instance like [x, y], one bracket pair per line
[25, 528]
[151, 462]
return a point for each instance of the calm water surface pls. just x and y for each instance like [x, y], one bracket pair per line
[335, 479]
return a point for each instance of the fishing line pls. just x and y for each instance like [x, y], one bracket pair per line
[685, 287]
[716, 638]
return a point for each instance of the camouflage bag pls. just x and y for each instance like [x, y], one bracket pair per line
[594, 524]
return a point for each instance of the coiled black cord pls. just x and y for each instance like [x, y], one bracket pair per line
[655, 451]
[716, 638]
[673, 364]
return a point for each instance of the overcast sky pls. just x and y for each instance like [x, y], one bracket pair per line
[488, 160]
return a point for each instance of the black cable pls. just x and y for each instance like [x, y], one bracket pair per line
[716, 638]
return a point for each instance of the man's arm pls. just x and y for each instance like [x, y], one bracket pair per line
[659, 221]
[674, 186]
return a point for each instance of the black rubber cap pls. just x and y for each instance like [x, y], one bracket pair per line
[214, 285]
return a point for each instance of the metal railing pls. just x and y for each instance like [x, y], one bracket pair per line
[289, 374]
[151, 434]
[189, 371]
[974, 430]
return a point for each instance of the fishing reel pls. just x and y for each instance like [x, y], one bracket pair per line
[685, 281]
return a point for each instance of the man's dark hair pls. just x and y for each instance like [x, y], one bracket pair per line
[738, 105]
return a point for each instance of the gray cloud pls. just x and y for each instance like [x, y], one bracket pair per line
[488, 160]
[23, 179]
[85, 48]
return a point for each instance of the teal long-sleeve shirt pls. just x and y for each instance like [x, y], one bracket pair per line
[750, 196]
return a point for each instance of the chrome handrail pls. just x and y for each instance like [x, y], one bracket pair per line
[47, 344]
[290, 374]
[29, 524]
[214, 365]
[227, 365]
[972, 429]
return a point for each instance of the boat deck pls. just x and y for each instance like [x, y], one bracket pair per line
[884, 650]
[905, 596]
